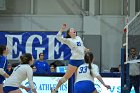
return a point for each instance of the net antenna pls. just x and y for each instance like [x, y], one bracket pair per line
[132, 33]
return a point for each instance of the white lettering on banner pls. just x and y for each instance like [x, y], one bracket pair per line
[12, 47]
[51, 46]
[113, 82]
[18, 44]
[61, 57]
[57, 51]
[57, 48]
[30, 42]
[44, 84]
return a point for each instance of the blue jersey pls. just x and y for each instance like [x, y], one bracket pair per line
[3, 65]
[42, 67]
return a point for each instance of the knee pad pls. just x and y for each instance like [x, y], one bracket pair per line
[63, 80]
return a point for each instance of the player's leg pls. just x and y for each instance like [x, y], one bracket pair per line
[1, 88]
[71, 69]
[95, 91]
[1, 84]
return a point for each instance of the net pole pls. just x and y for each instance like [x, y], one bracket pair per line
[124, 86]
[126, 43]
[127, 66]
[127, 18]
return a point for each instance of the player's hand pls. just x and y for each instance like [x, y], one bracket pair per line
[27, 89]
[6, 75]
[63, 27]
[108, 86]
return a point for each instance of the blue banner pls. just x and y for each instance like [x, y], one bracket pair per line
[34, 43]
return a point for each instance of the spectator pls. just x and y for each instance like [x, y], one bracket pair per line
[41, 65]
[134, 71]
[9, 69]
[55, 64]
[53, 68]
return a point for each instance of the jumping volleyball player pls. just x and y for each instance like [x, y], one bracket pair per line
[85, 76]
[75, 43]
[20, 73]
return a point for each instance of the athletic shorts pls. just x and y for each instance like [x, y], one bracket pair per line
[85, 86]
[7, 89]
[1, 79]
[76, 63]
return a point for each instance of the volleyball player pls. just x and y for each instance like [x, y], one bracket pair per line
[85, 76]
[75, 43]
[3, 65]
[20, 73]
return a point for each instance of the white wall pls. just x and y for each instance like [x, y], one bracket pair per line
[57, 7]
[17, 7]
[62, 7]
[111, 7]
[91, 25]
[112, 32]
[39, 23]
[43, 7]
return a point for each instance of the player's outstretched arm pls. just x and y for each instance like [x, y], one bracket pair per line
[101, 80]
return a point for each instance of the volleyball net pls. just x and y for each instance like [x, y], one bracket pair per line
[131, 39]
[132, 35]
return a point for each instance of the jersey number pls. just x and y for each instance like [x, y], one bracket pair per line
[83, 69]
[78, 44]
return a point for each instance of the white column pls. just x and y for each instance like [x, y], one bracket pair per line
[132, 8]
[94, 7]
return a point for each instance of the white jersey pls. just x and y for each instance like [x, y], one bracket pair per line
[83, 72]
[75, 44]
[20, 73]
